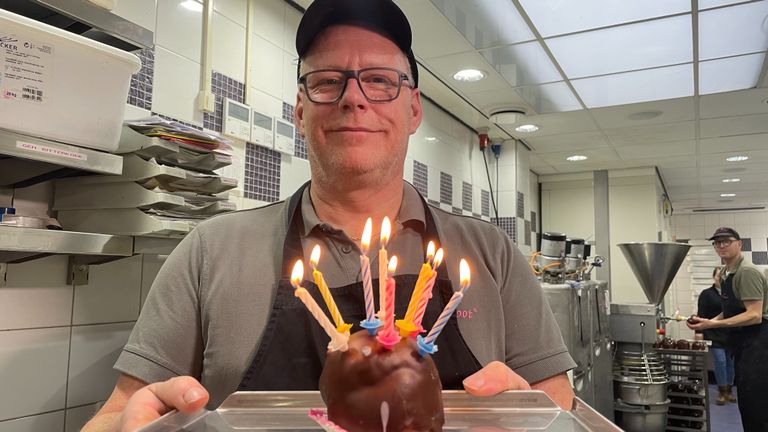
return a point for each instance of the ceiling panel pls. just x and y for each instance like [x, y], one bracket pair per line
[574, 141]
[523, 64]
[733, 30]
[491, 101]
[486, 23]
[437, 39]
[653, 134]
[554, 17]
[594, 155]
[680, 181]
[745, 102]
[646, 113]
[729, 74]
[640, 86]
[680, 175]
[727, 126]
[733, 143]
[655, 43]
[550, 98]
[664, 162]
[649, 151]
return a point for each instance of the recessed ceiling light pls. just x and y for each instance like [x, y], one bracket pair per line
[576, 158]
[731, 180]
[469, 75]
[430, 138]
[193, 5]
[527, 128]
[645, 115]
[738, 158]
[725, 195]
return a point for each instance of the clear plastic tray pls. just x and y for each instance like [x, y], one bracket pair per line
[270, 411]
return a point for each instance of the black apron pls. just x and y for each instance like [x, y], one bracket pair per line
[749, 345]
[293, 347]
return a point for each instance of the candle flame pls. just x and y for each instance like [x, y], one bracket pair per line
[392, 265]
[430, 250]
[365, 240]
[438, 259]
[314, 257]
[297, 274]
[464, 273]
[386, 228]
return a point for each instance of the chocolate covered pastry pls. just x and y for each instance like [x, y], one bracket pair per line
[369, 386]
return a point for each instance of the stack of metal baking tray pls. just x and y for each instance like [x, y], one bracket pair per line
[269, 411]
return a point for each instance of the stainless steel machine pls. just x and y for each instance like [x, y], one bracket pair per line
[640, 378]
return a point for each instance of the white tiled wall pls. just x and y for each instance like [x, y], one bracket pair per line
[695, 273]
[58, 342]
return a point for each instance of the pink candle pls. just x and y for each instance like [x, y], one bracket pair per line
[388, 336]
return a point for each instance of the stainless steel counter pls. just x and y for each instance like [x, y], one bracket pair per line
[510, 411]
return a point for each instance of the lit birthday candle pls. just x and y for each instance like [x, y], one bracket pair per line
[388, 336]
[338, 340]
[314, 259]
[427, 294]
[383, 261]
[407, 325]
[427, 344]
[371, 323]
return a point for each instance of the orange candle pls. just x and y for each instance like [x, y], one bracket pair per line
[314, 259]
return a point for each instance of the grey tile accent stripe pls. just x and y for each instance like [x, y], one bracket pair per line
[262, 173]
[508, 225]
[466, 196]
[521, 205]
[301, 143]
[485, 202]
[421, 178]
[222, 87]
[140, 91]
[446, 188]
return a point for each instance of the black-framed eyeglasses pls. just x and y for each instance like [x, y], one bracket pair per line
[723, 243]
[378, 84]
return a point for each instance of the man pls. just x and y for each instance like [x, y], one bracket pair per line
[219, 310]
[710, 305]
[744, 294]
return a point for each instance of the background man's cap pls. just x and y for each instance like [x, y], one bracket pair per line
[383, 16]
[725, 232]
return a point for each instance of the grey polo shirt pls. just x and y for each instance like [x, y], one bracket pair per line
[210, 302]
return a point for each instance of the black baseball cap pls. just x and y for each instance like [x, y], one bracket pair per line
[383, 16]
[725, 232]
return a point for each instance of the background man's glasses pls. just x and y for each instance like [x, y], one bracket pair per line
[379, 84]
[722, 243]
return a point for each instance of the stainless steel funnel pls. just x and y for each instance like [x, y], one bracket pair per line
[655, 265]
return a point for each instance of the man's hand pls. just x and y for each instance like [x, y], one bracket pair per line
[493, 379]
[699, 323]
[182, 393]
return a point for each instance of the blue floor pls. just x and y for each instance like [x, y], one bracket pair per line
[724, 418]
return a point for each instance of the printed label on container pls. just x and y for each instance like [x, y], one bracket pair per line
[25, 69]
[69, 154]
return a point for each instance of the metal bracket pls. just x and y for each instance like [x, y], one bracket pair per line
[3, 272]
[77, 273]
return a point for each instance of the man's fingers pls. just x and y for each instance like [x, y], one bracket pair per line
[493, 379]
[181, 393]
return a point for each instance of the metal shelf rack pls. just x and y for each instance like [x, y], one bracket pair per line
[688, 410]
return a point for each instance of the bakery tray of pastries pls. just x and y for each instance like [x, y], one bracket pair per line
[299, 411]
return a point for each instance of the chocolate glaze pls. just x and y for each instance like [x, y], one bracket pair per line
[354, 386]
[683, 344]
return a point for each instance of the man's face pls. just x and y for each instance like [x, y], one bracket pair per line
[727, 247]
[354, 136]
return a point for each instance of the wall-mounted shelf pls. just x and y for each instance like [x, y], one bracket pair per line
[24, 244]
[30, 160]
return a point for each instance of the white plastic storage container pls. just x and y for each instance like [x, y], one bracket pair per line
[61, 86]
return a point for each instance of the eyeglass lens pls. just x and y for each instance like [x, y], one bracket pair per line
[722, 243]
[379, 85]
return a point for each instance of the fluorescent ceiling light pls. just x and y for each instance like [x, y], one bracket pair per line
[523, 64]
[576, 158]
[728, 74]
[724, 195]
[469, 75]
[550, 98]
[640, 86]
[486, 23]
[553, 17]
[733, 30]
[630, 47]
[737, 158]
[527, 128]
[731, 180]
[193, 5]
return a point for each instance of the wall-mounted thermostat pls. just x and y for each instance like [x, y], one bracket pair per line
[284, 137]
[237, 120]
[263, 130]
